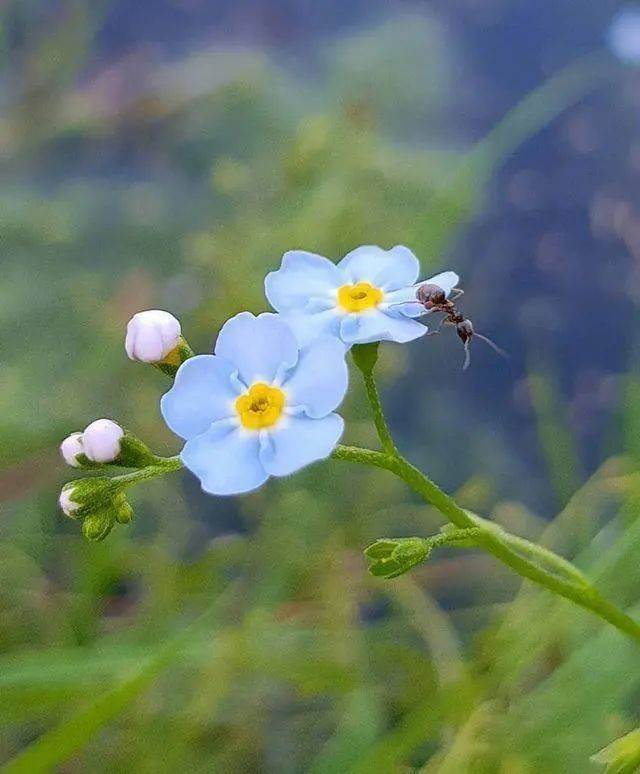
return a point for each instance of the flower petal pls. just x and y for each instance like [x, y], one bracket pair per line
[259, 347]
[301, 277]
[202, 393]
[402, 303]
[375, 325]
[319, 381]
[226, 459]
[298, 442]
[386, 269]
[447, 280]
[307, 327]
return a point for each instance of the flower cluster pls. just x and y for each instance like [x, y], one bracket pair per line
[263, 403]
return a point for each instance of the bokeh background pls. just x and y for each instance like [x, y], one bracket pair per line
[164, 154]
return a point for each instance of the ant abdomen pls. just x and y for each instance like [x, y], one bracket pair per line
[465, 331]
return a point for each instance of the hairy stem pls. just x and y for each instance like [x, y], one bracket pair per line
[382, 429]
[159, 468]
[365, 357]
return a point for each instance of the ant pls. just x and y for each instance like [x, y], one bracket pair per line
[434, 299]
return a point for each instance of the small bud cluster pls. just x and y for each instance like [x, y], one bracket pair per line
[104, 442]
[152, 337]
[100, 442]
[390, 557]
[98, 502]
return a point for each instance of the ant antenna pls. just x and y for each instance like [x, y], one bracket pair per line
[492, 344]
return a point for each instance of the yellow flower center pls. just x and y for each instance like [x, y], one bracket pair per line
[357, 298]
[260, 407]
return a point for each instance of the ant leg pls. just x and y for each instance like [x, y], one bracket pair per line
[438, 329]
[467, 355]
[458, 292]
[492, 344]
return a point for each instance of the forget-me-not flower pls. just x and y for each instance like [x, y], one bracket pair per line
[260, 406]
[369, 296]
[623, 34]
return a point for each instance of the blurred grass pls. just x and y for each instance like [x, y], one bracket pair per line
[179, 188]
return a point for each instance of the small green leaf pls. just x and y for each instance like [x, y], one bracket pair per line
[381, 549]
[99, 524]
[622, 756]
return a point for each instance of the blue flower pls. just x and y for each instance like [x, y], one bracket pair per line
[259, 406]
[368, 296]
[623, 35]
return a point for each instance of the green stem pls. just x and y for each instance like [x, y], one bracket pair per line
[159, 468]
[453, 537]
[565, 580]
[384, 434]
[365, 357]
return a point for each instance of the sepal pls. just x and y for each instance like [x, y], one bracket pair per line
[133, 453]
[365, 356]
[98, 502]
[170, 364]
[98, 525]
[391, 557]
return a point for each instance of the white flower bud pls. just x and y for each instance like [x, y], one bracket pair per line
[68, 505]
[71, 448]
[101, 440]
[152, 335]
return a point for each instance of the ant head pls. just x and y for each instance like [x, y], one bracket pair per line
[464, 330]
[430, 295]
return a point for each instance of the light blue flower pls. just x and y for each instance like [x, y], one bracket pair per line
[623, 35]
[259, 406]
[368, 296]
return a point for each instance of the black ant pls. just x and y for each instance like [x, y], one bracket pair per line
[434, 299]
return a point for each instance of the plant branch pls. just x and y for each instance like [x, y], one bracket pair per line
[162, 466]
[527, 559]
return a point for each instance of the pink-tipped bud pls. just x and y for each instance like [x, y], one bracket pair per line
[152, 335]
[101, 440]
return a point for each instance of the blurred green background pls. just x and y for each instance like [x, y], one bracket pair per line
[165, 154]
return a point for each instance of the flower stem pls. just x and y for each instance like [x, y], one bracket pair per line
[161, 466]
[365, 357]
[529, 560]
[382, 428]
